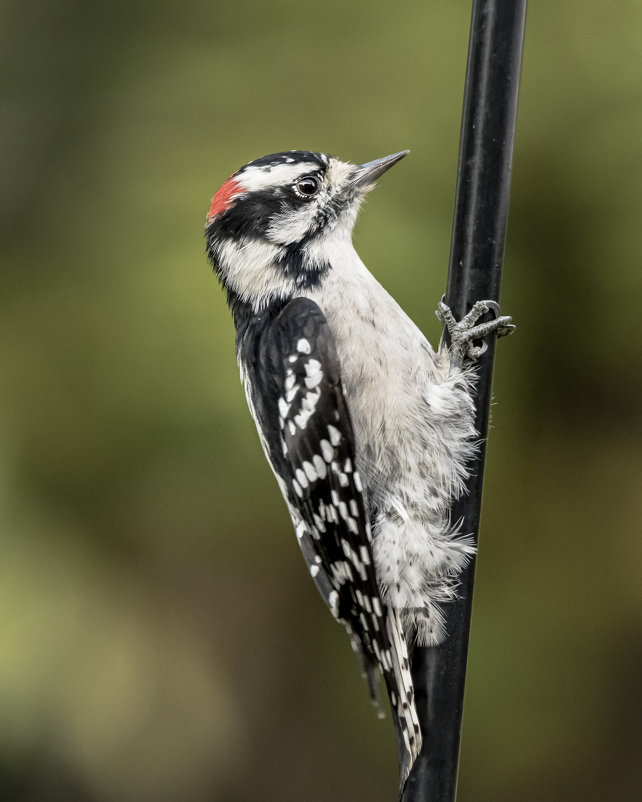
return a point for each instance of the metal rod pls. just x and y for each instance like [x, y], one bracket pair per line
[477, 252]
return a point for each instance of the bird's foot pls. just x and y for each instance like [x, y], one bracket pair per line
[465, 332]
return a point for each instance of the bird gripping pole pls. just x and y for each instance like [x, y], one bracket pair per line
[477, 252]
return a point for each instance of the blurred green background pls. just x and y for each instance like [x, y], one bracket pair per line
[160, 638]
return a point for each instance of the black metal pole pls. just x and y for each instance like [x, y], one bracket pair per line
[477, 252]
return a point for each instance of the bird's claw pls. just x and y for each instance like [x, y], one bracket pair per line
[464, 332]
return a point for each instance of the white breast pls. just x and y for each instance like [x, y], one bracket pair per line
[411, 412]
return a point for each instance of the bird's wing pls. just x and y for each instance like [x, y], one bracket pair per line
[304, 419]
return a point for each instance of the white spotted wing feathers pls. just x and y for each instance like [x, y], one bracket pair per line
[296, 391]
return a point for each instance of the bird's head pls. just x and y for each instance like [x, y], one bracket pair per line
[274, 225]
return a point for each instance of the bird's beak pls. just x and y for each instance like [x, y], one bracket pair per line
[366, 174]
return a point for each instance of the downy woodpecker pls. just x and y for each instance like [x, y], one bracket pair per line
[369, 431]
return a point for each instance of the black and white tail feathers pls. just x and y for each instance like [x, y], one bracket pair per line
[401, 692]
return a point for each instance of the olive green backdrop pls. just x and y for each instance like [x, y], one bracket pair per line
[160, 639]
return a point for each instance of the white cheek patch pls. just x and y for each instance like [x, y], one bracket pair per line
[291, 226]
[253, 179]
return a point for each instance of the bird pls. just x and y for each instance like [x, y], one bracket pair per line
[369, 430]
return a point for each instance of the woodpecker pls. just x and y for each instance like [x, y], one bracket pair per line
[369, 431]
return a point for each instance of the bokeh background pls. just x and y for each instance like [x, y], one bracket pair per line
[160, 639]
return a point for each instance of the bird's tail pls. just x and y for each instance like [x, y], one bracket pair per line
[395, 667]
[402, 697]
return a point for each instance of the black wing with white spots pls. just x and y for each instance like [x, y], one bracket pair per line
[298, 402]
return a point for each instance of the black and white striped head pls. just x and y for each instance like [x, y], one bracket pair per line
[274, 224]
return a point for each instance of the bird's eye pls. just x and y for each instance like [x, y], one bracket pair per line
[307, 187]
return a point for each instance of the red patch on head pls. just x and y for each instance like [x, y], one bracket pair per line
[223, 198]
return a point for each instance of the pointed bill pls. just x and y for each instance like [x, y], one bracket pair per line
[366, 174]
